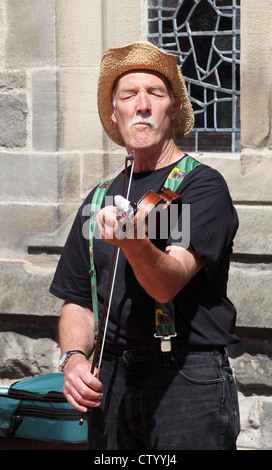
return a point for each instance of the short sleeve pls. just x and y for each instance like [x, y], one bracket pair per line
[71, 281]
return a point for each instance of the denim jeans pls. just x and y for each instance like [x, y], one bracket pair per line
[182, 400]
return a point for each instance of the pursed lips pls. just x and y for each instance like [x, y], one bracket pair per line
[143, 122]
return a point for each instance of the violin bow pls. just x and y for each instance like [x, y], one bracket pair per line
[110, 284]
[111, 279]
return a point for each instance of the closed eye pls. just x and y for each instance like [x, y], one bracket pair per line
[157, 92]
[128, 95]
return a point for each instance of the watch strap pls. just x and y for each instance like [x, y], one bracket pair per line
[68, 354]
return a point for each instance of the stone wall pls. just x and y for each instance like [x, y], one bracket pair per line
[53, 151]
[249, 289]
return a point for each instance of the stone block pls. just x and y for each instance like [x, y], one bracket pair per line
[36, 178]
[250, 410]
[54, 240]
[13, 120]
[78, 33]
[251, 158]
[249, 289]
[31, 33]
[28, 177]
[12, 80]
[21, 221]
[79, 124]
[22, 356]
[256, 418]
[69, 177]
[44, 119]
[256, 113]
[255, 230]
[99, 166]
[253, 372]
[121, 26]
[266, 423]
[2, 33]
[25, 285]
[92, 168]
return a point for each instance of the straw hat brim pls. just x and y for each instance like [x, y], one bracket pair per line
[141, 55]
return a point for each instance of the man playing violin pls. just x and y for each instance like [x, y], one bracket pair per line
[153, 392]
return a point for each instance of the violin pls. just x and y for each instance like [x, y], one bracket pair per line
[131, 213]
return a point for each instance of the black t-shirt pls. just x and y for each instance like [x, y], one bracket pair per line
[203, 313]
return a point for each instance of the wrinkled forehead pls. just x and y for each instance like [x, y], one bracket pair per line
[148, 73]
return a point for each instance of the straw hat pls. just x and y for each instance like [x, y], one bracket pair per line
[141, 55]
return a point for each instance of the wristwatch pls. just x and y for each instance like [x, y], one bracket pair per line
[64, 359]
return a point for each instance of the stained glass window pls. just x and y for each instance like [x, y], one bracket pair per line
[205, 34]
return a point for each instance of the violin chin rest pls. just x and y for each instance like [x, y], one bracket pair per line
[121, 203]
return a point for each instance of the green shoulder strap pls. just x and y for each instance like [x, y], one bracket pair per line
[97, 200]
[164, 313]
[177, 175]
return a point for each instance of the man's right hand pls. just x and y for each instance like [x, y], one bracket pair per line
[81, 388]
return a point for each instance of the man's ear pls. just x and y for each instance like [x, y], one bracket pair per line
[177, 105]
[113, 116]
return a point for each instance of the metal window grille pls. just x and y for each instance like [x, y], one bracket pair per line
[205, 34]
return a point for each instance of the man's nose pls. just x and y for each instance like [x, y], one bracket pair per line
[143, 104]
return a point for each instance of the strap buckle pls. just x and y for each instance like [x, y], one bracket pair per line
[166, 345]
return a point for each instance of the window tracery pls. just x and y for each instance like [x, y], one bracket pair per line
[205, 34]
